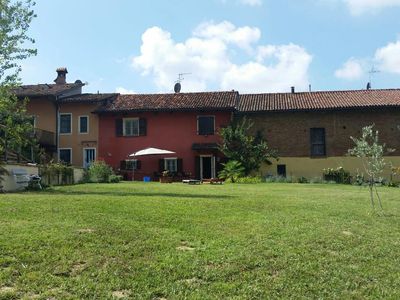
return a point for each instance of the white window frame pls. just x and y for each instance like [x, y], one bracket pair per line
[83, 154]
[171, 159]
[59, 124]
[70, 154]
[79, 124]
[132, 160]
[198, 127]
[123, 126]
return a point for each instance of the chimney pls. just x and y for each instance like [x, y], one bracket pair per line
[61, 76]
[293, 89]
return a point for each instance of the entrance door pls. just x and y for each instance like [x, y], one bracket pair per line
[207, 167]
[89, 155]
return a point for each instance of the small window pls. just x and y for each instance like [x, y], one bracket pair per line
[317, 136]
[171, 164]
[131, 127]
[281, 170]
[131, 164]
[65, 123]
[83, 124]
[205, 125]
[65, 155]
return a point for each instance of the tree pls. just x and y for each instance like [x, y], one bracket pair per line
[15, 18]
[250, 151]
[371, 152]
[15, 125]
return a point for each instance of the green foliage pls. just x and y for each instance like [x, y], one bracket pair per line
[250, 179]
[15, 18]
[16, 129]
[302, 180]
[99, 171]
[115, 178]
[232, 171]
[338, 175]
[239, 145]
[278, 179]
[56, 173]
[371, 152]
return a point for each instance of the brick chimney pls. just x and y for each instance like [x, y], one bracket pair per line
[61, 76]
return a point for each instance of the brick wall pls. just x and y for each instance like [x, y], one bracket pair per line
[289, 132]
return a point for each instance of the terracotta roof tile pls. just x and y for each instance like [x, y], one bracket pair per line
[88, 98]
[319, 100]
[173, 102]
[40, 90]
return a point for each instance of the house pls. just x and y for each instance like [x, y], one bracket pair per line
[312, 130]
[64, 123]
[185, 123]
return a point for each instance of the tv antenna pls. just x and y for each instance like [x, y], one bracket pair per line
[372, 72]
[178, 86]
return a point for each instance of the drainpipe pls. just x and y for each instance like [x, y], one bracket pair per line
[57, 126]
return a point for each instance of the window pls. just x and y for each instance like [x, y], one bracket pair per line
[131, 164]
[205, 125]
[65, 155]
[281, 170]
[317, 136]
[65, 123]
[131, 127]
[83, 124]
[171, 164]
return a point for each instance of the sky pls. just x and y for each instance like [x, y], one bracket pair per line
[252, 46]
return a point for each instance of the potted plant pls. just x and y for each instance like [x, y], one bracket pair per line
[166, 177]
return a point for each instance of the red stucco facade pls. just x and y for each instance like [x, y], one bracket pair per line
[174, 131]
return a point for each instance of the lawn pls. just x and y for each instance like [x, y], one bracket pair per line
[156, 241]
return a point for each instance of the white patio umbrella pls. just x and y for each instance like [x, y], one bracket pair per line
[148, 151]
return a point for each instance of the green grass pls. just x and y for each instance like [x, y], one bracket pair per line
[149, 241]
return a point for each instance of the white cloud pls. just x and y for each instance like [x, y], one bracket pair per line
[209, 56]
[351, 70]
[388, 58]
[122, 90]
[358, 7]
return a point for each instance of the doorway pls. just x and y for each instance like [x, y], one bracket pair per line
[89, 155]
[207, 167]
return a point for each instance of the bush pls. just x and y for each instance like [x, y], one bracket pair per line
[99, 171]
[279, 179]
[115, 178]
[302, 180]
[232, 171]
[339, 175]
[250, 179]
[317, 180]
[56, 174]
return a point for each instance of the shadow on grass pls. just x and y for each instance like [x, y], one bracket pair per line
[139, 194]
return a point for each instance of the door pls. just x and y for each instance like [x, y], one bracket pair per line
[207, 167]
[89, 155]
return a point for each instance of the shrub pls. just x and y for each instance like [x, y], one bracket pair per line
[317, 180]
[232, 171]
[250, 179]
[99, 171]
[56, 173]
[302, 180]
[280, 179]
[338, 175]
[115, 178]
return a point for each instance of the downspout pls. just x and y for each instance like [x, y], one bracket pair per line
[57, 126]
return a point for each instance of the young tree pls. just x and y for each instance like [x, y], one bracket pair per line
[232, 171]
[15, 124]
[371, 152]
[250, 151]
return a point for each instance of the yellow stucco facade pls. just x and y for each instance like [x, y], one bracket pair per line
[313, 167]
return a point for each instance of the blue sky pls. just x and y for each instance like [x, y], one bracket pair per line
[246, 45]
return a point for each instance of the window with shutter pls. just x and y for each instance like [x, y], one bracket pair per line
[205, 125]
[317, 139]
[65, 123]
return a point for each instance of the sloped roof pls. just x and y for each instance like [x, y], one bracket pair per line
[42, 90]
[88, 98]
[173, 102]
[326, 100]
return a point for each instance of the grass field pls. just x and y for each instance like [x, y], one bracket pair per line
[155, 241]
